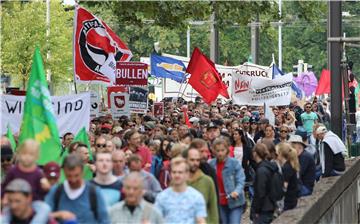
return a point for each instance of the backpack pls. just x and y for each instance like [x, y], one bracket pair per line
[277, 190]
[92, 197]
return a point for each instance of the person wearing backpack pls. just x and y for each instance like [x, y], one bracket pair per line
[288, 158]
[76, 200]
[262, 206]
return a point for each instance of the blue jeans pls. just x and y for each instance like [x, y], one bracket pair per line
[230, 216]
[304, 191]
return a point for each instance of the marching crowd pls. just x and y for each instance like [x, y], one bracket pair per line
[197, 163]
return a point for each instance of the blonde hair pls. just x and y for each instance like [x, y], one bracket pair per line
[179, 160]
[29, 143]
[289, 154]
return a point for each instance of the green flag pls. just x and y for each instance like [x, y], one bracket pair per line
[38, 121]
[11, 138]
[84, 138]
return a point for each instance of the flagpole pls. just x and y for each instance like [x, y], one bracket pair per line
[184, 89]
[75, 86]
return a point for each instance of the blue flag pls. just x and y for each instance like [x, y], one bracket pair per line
[166, 67]
[276, 72]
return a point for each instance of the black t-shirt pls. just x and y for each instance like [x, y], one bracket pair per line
[291, 194]
[16, 220]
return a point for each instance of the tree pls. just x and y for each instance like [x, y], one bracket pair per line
[23, 27]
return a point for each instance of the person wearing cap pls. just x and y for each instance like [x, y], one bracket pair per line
[52, 172]
[149, 128]
[307, 165]
[212, 131]
[331, 152]
[6, 160]
[21, 208]
[262, 126]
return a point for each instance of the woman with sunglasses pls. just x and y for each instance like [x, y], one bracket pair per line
[284, 134]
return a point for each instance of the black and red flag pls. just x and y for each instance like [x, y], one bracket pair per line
[96, 49]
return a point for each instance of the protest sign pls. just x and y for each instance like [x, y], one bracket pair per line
[256, 90]
[131, 73]
[138, 99]
[119, 105]
[72, 112]
[159, 109]
[115, 89]
[95, 104]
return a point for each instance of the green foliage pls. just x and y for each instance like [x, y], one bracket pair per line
[23, 27]
[141, 23]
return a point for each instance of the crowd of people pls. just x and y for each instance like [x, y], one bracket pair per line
[197, 163]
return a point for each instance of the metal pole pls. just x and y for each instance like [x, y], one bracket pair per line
[280, 38]
[188, 42]
[214, 36]
[334, 19]
[255, 40]
[48, 72]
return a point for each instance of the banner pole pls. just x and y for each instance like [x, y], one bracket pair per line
[75, 87]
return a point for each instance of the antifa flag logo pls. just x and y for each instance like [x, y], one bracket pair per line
[119, 101]
[96, 49]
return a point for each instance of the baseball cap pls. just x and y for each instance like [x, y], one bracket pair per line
[52, 170]
[194, 120]
[149, 125]
[18, 185]
[212, 125]
[245, 119]
[243, 107]
[106, 126]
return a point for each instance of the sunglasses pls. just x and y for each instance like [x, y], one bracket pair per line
[308, 107]
[283, 131]
[167, 121]
[101, 145]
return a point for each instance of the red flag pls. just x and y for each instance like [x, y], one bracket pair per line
[324, 83]
[187, 122]
[96, 49]
[204, 77]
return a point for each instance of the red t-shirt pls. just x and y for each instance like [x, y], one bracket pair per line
[219, 178]
[145, 155]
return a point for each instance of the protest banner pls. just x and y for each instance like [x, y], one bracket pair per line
[72, 112]
[95, 104]
[172, 88]
[119, 105]
[256, 90]
[131, 73]
[138, 100]
[115, 89]
[159, 109]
